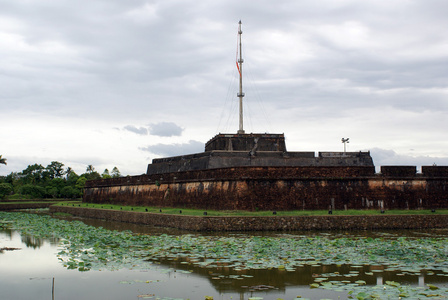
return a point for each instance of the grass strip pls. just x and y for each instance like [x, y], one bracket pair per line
[200, 212]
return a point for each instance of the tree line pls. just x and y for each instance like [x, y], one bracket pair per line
[52, 181]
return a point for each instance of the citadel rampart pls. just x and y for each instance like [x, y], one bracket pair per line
[279, 188]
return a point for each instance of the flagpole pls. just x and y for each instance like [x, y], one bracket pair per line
[239, 65]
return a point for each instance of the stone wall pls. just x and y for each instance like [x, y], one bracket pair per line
[398, 171]
[228, 159]
[225, 159]
[435, 171]
[274, 188]
[16, 206]
[277, 223]
[247, 142]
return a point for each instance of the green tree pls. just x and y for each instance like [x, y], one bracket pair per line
[5, 189]
[14, 179]
[33, 174]
[2, 160]
[92, 176]
[90, 169]
[80, 183]
[115, 172]
[34, 191]
[54, 187]
[68, 172]
[71, 178]
[55, 169]
[51, 191]
[106, 174]
[69, 192]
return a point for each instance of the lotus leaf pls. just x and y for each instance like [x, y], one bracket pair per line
[85, 247]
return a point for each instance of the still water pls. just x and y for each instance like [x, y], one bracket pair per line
[28, 273]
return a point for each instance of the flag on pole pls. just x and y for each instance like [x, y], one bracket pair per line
[238, 67]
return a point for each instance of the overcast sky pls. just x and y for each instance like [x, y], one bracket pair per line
[117, 83]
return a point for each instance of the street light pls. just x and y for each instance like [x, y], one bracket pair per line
[345, 141]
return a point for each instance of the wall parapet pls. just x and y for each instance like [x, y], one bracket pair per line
[226, 174]
[435, 171]
[398, 171]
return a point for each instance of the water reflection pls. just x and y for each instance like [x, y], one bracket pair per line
[36, 265]
[32, 242]
[226, 279]
[28, 240]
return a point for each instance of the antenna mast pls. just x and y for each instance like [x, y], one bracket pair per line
[239, 65]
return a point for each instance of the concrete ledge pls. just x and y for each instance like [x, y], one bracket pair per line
[274, 223]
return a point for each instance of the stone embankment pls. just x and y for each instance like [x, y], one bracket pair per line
[16, 206]
[273, 223]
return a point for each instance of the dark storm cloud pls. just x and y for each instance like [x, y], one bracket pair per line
[175, 149]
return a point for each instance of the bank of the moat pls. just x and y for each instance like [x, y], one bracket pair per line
[262, 223]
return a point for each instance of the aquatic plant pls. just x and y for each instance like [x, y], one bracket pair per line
[85, 247]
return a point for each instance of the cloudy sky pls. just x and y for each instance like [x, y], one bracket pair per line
[117, 83]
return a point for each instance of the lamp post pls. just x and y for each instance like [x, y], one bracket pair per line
[345, 141]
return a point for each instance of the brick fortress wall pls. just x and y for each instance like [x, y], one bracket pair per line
[279, 188]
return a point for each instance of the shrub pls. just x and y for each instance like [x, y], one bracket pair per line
[69, 192]
[5, 189]
[34, 191]
[19, 197]
[51, 192]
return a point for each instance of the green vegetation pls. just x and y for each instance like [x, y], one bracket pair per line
[241, 213]
[18, 197]
[5, 189]
[87, 248]
[52, 181]
[2, 160]
[36, 201]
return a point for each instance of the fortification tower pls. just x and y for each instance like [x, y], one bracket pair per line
[230, 150]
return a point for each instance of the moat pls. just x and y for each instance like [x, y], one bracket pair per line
[94, 259]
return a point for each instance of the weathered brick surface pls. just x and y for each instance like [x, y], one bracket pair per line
[398, 171]
[224, 174]
[272, 188]
[435, 171]
[277, 223]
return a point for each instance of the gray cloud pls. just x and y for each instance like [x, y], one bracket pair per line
[165, 129]
[305, 61]
[162, 129]
[175, 149]
[384, 157]
[332, 55]
[137, 130]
